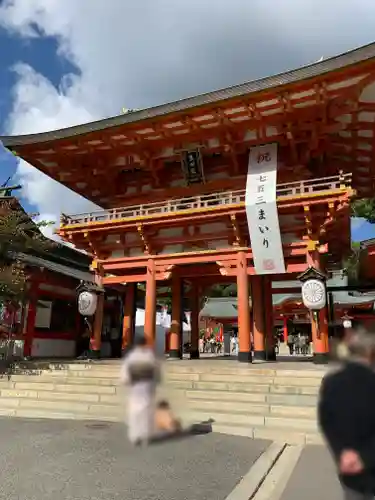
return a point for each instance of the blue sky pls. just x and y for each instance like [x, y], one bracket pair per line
[39, 53]
[128, 56]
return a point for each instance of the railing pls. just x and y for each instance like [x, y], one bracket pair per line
[288, 189]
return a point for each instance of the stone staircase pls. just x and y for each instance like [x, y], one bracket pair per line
[256, 400]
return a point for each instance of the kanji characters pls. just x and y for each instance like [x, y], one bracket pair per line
[262, 157]
[261, 214]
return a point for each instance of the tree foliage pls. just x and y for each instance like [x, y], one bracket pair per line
[352, 264]
[19, 233]
[364, 208]
[223, 290]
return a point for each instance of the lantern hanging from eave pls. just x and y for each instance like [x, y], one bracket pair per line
[314, 294]
[87, 303]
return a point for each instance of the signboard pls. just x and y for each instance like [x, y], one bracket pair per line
[43, 314]
[192, 166]
[261, 210]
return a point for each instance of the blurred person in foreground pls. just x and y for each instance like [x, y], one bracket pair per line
[346, 416]
[140, 371]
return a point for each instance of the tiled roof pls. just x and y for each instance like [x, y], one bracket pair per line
[350, 58]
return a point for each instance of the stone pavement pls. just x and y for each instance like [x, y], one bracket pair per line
[44, 459]
[313, 477]
[50, 459]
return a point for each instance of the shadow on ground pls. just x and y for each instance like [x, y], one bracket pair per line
[194, 430]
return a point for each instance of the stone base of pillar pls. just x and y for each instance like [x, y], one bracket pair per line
[271, 355]
[320, 358]
[94, 354]
[245, 357]
[194, 353]
[175, 353]
[260, 355]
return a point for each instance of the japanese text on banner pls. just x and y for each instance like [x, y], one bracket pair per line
[261, 210]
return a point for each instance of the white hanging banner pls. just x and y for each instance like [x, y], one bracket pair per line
[261, 210]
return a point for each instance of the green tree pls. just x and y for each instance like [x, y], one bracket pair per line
[352, 264]
[223, 290]
[19, 233]
[364, 208]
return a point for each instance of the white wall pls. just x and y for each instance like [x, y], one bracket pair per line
[163, 323]
[58, 348]
[53, 348]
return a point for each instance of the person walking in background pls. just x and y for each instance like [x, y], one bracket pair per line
[291, 343]
[346, 415]
[212, 344]
[303, 344]
[297, 343]
[140, 371]
[201, 344]
[234, 345]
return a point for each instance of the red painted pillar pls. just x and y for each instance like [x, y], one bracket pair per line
[150, 309]
[128, 320]
[30, 318]
[268, 318]
[258, 317]
[319, 322]
[194, 322]
[244, 326]
[175, 334]
[96, 337]
[285, 329]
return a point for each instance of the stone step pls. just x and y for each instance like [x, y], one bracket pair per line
[60, 396]
[103, 374]
[244, 379]
[62, 393]
[51, 377]
[61, 387]
[219, 370]
[249, 408]
[238, 387]
[61, 415]
[278, 399]
[107, 386]
[282, 434]
[69, 406]
[254, 387]
[187, 371]
[78, 409]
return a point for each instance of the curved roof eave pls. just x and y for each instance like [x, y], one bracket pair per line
[350, 58]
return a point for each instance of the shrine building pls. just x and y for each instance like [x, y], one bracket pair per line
[188, 192]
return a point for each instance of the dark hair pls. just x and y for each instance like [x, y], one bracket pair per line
[139, 342]
[163, 405]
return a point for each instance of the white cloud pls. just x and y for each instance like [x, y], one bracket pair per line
[39, 106]
[137, 53]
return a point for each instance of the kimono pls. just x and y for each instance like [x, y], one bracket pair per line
[140, 371]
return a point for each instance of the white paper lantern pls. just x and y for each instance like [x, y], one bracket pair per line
[314, 294]
[347, 323]
[87, 302]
